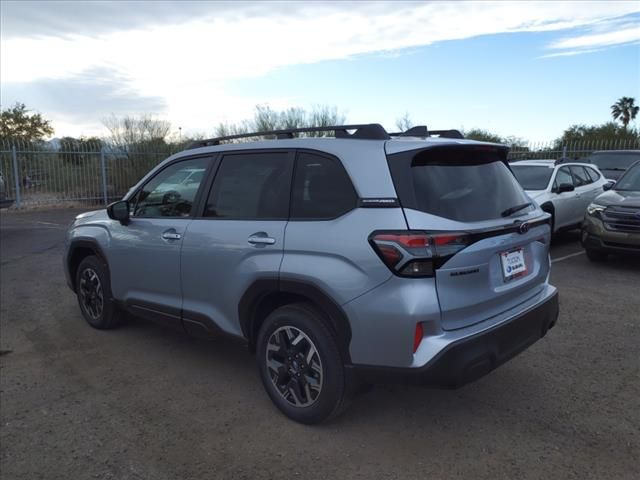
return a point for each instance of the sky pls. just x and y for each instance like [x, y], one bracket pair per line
[527, 69]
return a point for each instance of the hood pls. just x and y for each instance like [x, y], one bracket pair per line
[536, 194]
[93, 217]
[89, 214]
[619, 197]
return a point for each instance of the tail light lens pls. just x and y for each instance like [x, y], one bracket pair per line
[416, 254]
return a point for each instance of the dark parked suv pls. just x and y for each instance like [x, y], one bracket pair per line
[612, 222]
[613, 163]
[362, 258]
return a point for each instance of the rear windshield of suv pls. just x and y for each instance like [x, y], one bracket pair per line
[532, 177]
[630, 181]
[459, 183]
[614, 161]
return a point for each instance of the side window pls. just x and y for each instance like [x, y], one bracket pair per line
[171, 192]
[563, 176]
[321, 188]
[581, 176]
[595, 176]
[251, 186]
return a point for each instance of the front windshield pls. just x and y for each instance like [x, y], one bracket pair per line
[614, 161]
[532, 177]
[630, 180]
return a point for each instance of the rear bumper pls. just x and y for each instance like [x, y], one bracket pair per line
[472, 357]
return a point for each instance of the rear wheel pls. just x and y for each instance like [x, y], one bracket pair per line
[93, 289]
[596, 255]
[300, 364]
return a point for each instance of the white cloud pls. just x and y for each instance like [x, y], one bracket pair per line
[614, 37]
[188, 64]
[572, 53]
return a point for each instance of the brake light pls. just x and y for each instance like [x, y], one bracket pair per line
[414, 253]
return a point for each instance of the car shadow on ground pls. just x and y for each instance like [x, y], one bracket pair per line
[565, 237]
[230, 358]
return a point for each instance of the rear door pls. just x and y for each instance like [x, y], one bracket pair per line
[237, 239]
[492, 257]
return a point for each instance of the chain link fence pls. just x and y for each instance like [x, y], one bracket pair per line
[82, 173]
[95, 173]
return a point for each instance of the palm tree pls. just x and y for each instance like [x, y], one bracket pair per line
[625, 110]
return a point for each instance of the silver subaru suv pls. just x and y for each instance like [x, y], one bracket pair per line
[361, 258]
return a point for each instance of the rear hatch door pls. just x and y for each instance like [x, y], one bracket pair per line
[469, 191]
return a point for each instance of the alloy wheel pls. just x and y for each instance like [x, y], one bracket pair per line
[91, 295]
[294, 366]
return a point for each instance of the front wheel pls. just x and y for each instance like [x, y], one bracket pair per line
[93, 289]
[300, 364]
[596, 255]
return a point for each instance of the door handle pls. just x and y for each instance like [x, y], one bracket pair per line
[171, 235]
[256, 240]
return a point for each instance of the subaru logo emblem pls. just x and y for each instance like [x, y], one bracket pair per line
[524, 228]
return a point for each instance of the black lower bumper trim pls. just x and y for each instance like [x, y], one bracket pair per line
[591, 242]
[470, 358]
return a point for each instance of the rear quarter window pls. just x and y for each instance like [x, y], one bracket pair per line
[322, 189]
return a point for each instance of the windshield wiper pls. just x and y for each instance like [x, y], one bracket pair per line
[515, 208]
[614, 169]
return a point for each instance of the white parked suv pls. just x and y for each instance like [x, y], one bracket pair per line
[562, 189]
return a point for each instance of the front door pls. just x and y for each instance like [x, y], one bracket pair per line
[145, 254]
[566, 204]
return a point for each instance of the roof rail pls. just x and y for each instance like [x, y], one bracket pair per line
[423, 131]
[563, 160]
[371, 131]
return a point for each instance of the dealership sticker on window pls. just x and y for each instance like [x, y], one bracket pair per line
[513, 264]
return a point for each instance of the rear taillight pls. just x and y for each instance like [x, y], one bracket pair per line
[416, 254]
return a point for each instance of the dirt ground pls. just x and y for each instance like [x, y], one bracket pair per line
[142, 402]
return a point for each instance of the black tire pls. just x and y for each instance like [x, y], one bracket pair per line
[331, 398]
[596, 255]
[93, 289]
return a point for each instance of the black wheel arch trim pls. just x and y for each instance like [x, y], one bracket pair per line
[260, 291]
[547, 205]
[85, 243]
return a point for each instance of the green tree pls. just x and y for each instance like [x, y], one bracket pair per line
[16, 123]
[625, 110]
[607, 135]
[266, 119]
[483, 136]
[78, 150]
[135, 133]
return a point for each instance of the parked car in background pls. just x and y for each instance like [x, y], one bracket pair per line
[612, 221]
[4, 202]
[562, 189]
[367, 257]
[613, 163]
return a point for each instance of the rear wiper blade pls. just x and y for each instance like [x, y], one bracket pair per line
[515, 208]
[614, 169]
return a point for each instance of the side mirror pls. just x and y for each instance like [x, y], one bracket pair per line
[119, 211]
[565, 187]
[608, 186]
